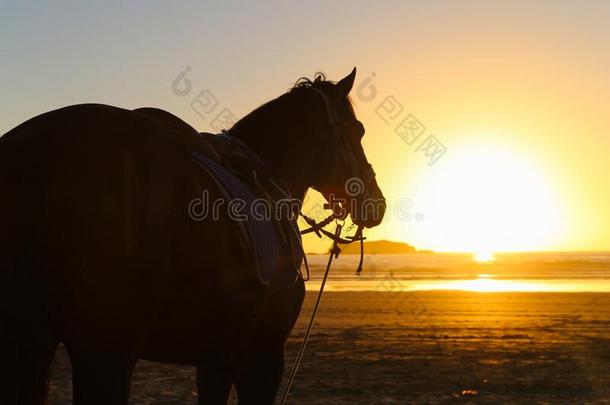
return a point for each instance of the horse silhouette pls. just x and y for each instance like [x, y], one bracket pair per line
[99, 251]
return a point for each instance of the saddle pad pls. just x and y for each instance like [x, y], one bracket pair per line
[274, 262]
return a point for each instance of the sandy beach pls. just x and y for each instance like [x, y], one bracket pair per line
[426, 347]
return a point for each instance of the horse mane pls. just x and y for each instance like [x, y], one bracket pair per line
[269, 109]
[274, 129]
[319, 81]
[305, 82]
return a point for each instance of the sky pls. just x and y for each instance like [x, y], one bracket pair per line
[515, 93]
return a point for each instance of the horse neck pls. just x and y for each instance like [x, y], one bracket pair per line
[284, 159]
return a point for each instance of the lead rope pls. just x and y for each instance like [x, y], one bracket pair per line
[334, 253]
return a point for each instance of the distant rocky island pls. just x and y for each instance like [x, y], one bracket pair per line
[381, 247]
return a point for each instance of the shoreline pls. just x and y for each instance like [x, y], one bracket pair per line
[474, 285]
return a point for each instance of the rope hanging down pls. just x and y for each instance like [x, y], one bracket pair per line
[333, 254]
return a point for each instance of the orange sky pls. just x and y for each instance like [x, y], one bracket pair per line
[517, 93]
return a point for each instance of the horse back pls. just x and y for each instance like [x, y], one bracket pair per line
[94, 198]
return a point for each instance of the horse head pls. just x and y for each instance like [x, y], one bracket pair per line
[344, 176]
[311, 137]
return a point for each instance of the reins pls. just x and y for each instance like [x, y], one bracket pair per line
[317, 228]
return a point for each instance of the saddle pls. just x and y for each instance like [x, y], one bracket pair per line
[271, 238]
[271, 242]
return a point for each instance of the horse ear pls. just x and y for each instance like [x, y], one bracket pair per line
[345, 85]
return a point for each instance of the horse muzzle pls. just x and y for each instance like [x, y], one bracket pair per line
[368, 209]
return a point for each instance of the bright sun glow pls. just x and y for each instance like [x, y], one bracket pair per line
[484, 257]
[489, 198]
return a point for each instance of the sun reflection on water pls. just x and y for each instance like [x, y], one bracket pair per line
[488, 284]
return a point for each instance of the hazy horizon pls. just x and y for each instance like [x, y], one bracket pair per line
[426, 251]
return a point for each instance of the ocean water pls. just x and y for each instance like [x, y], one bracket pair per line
[538, 271]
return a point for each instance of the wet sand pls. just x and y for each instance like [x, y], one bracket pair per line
[383, 347]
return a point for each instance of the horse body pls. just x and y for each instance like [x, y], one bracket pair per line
[99, 252]
[122, 266]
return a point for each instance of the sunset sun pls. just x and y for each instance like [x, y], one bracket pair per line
[491, 198]
[483, 256]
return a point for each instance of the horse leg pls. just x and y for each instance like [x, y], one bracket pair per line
[100, 378]
[213, 384]
[259, 383]
[27, 337]
[260, 378]
[24, 371]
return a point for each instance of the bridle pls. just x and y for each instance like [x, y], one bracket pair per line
[366, 174]
[350, 160]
